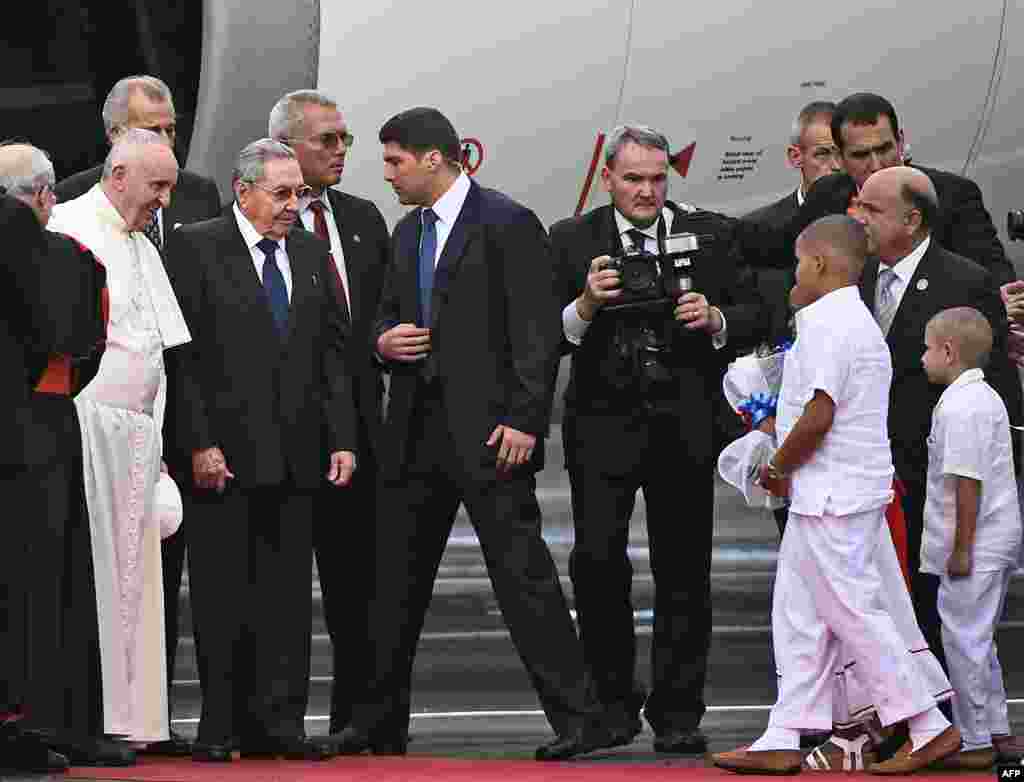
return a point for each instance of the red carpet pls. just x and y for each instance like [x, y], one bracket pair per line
[415, 769]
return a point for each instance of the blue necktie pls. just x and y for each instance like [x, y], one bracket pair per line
[273, 284]
[428, 248]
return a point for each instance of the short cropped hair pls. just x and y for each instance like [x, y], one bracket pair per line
[923, 202]
[808, 114]
[287, 116]
[862, 108]
[634, 134]
[115, 107]
[131, 137]
[969, 329]
[251, 164]
[421, 130]
[32, 172]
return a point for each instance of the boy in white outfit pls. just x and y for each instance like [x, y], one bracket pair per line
[972, 525]
[836, 466]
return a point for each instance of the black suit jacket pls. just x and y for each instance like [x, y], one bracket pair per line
[194, 198]
[697, 366]
[964, 226]
[942, 280]
[366, 244]
[774, 284]
[495, 330]
[276, 408]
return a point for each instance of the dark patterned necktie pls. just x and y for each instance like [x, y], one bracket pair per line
[273, 284]
[152, 232]
[638, 238]
[320, 229]
[428, 248]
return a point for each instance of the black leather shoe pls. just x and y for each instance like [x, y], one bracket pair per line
[681, 742]
[27, 752]
[177, 746]
[96, 752]
[355, 741]
[579, 742]
[624, 733]
[211, 753]
[299, 748]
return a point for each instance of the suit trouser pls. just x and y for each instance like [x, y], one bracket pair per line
[416, 514]
[172, 555]
[970, 608]
[344, 541]
[679, 494]
[924, 587]
[826, 599]
[250, 552]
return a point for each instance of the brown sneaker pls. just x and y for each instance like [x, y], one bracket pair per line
[770, 761]
[967, 760]
[840, 754]
[946, 743]
[1010, 749]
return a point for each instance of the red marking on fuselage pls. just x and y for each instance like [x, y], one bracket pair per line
[469, 144]
[680, 161]
[591, 170]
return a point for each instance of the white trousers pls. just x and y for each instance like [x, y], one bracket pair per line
[827, 598]
[852, 701]
[969, 609]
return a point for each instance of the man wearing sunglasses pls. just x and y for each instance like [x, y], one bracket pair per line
[343, 523]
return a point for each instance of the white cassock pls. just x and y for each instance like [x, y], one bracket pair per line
[121, 414]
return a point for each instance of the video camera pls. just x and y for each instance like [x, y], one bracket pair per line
[1015, 224]
[649, 280]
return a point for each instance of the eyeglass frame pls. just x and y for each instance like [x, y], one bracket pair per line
[345, 138]
[300, 192]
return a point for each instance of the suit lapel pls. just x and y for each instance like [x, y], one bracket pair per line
[459, 238]
[238, 265]
[305, 281]
[868, 283]
[351, 246]
[917, 291]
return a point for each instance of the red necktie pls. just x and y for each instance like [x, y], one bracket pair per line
[320, 229]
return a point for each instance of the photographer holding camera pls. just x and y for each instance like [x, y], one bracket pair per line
[653, 304]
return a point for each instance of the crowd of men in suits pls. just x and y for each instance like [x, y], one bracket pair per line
[283, 443]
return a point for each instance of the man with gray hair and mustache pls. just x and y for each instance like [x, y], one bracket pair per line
[265, 409]
[121, 412]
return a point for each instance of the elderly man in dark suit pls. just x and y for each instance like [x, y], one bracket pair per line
[265, 409]
[638, 415]
[146, 102]
[343, 527]
[913, 278]
[468, 327]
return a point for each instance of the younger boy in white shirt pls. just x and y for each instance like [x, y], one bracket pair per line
[972, 524]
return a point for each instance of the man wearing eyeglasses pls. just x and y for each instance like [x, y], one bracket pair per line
[265, 410]
[343, 525]
[146, 102]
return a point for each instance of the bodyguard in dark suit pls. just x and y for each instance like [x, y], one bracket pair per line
[867, 132]
[638, 415]
[146, 102]
[343, 526]
[265, 408]
[468, 327]
[811, 152]
[914, 278]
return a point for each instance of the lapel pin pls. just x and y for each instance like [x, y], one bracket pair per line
[316, 280]
[922, 284]
[355, 238]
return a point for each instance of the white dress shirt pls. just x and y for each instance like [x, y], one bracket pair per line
[447, 208]
[337, 251]
[253, 237]
[970, 438]
[905, 269]
[840, 350]
[574, 327]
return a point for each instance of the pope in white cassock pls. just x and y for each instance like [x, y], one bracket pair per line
[121, 413]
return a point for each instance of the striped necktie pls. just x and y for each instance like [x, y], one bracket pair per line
[885, 298]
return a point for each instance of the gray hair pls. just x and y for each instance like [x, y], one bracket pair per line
[126, 144]
[252, 160]
[287, 116]
[634, 134]
[24, 169]
[808, 114]
[115, 107]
